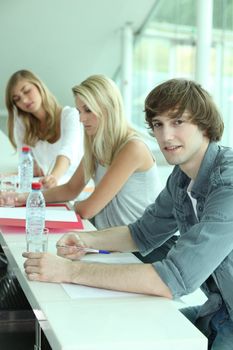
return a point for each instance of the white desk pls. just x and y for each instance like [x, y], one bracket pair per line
[139, 322]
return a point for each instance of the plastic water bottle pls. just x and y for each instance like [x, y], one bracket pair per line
[25, 170]
[36, 236]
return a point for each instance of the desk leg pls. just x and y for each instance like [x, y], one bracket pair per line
[37, 345]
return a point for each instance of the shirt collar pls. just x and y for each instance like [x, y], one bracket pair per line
[200, 185]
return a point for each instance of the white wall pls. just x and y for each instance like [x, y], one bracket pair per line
[65, 41]
[9, 158]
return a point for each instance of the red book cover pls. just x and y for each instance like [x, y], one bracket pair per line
[53, 225]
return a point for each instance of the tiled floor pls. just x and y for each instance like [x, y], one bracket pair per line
[17, 331]
[20, 341]
[17, 320]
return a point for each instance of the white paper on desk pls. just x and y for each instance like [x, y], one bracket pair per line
[77, 291]
[50, 215]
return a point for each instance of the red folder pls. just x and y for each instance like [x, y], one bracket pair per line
[54, 225]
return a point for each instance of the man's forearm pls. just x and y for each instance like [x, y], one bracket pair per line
[114, 239]
[136, 278]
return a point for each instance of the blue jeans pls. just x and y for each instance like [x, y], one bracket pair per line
[221, 327]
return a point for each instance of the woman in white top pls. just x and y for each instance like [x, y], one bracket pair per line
[54, 134]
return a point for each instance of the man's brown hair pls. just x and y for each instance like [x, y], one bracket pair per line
[178, 95]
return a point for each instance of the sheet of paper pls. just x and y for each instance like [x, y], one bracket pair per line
[53, 214]
[77, 291]
[60, 207]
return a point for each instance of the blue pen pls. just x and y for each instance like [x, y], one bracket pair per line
[87, 250]
[99, 251]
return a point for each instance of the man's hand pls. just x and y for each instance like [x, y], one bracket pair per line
[46, 267]
[71, 247]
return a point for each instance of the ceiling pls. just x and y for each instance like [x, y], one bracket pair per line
[65, 41]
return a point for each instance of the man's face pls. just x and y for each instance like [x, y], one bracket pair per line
[181, 142]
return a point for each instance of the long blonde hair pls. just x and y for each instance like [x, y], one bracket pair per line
[101, 95]
[31, 124]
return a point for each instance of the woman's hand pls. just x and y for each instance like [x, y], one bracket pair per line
[49, 181]
[71, 247]
[17, 199]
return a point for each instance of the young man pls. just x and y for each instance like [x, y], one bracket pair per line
[197, 201]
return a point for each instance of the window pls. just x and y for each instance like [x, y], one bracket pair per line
[167, 49]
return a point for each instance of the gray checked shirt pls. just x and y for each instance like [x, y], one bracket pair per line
[204, 250]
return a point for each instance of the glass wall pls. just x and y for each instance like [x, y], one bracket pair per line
[167, 49]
